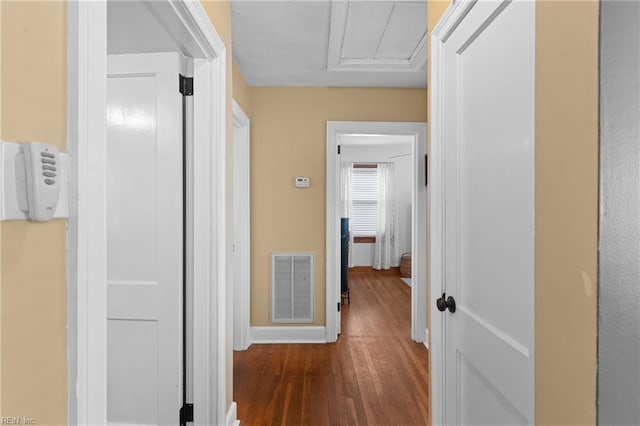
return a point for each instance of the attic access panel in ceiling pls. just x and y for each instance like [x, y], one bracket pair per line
[385, 36]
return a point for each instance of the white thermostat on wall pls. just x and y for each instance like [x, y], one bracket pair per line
[302, 182]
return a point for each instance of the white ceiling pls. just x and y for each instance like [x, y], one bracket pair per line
[331, 43]
[125, 19]
[145, 27]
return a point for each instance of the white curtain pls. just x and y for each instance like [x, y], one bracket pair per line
[346, 202]
[386, 248]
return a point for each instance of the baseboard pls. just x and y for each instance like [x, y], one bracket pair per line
[232, 415]
[394, 270]
[426, 340]
[288, 334]
[410, 285]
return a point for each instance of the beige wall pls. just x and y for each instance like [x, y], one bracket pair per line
[567, 143]
[241, 91]
[34, 74]
[288, 139]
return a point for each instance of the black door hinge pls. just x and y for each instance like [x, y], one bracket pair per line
[186, 414]
[338, 149]
[186, 85]
[426, 170]
[338, 306]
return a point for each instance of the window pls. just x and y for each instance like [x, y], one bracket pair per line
[364, 201]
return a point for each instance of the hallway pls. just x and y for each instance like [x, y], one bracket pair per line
[374, 375]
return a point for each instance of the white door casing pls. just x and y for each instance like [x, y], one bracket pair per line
[144, 239]
[482, 228]
[188, 24]
[241, 229]
[418, 214]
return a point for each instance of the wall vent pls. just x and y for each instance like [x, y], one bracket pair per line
[292, 287]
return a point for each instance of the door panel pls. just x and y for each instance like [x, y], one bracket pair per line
[489, 214]
[144, 239]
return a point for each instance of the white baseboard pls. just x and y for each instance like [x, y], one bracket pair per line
[311, 334]
[426, 340]
[232, 415]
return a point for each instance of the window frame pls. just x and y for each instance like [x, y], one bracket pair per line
[363, 238]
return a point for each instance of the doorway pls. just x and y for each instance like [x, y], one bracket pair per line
[415, 135]
[184, 28]
[377, 182]
[147, 359]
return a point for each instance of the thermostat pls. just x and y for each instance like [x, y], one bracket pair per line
[302, 182]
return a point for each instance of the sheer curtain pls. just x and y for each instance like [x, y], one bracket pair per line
[346, 202]
[386, 248]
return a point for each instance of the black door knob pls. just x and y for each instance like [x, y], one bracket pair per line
[441, 303]
[445, 303]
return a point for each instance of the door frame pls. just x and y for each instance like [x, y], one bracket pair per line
[418, 226]
[242, 229]
[447, 24]
[189, 24]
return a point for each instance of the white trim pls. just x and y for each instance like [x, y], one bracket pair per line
[436, 216]
[232, 415]
[426, 341]
[271, 335]
[86, 237]
[242, 229]
[418, 226]
[87, 234]
[240, 118]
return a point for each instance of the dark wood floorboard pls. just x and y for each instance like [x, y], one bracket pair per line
[374, 375]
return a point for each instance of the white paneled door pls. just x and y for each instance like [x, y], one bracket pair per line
[144, 239]
[486, 63]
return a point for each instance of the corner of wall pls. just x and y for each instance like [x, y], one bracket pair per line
[566, 242]
[241, 90]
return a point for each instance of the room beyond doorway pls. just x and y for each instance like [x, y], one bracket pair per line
[339, 132]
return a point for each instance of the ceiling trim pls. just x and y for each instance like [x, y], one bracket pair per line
[335, 61]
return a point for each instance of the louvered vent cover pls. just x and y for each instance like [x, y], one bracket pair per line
[292, 287]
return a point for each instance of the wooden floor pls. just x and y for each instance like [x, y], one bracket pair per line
[374, 375]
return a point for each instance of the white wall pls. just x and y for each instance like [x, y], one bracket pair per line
[619, 291]
[383, 151]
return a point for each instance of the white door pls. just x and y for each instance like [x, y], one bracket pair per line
[144, 239]
[486, 63]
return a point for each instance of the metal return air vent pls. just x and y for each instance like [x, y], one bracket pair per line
[292, 287]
